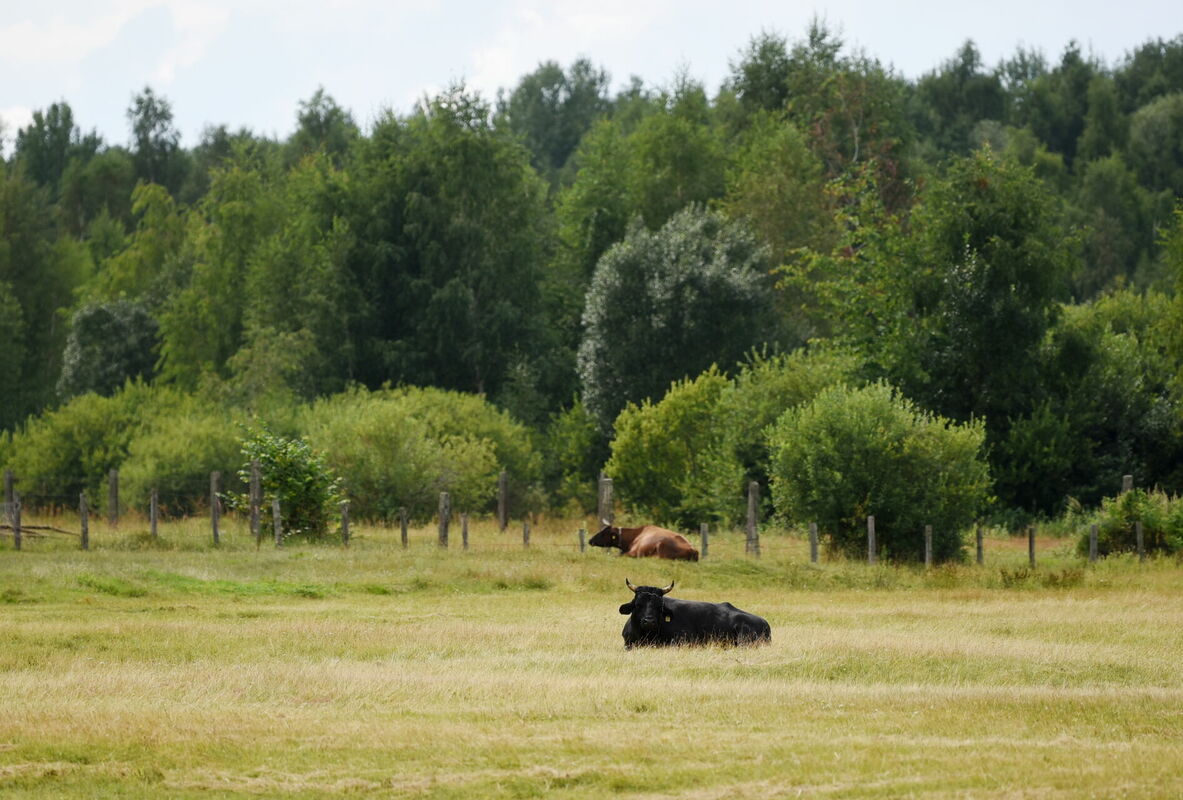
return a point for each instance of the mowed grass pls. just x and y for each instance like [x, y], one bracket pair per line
[171, 669]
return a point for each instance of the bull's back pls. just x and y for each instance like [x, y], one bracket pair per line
[662, 543]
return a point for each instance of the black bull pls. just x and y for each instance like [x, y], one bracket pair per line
[655, 619]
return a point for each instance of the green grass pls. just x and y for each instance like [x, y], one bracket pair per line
[173, 669]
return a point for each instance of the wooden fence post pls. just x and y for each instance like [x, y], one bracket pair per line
[113, 498]
[14, 511]
[154, 513]
[526, 533]
[704, 532]
[1092, 544]
[402, 525]
[84, 520]
[445, 517]
[503, 500]
[345, 523]
[277, 522]
[979, 538]
[582, 540]
[256, 499]
[813, 543]
[872, 555]
[604, 502]
[753, 542]
[215, 506]
[464, 529]
[1031, 545]
[1127, 483]
[928, 545]
[1140, 541]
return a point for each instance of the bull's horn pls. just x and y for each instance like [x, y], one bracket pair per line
[605, 523]
[629, 584]
[667, 589]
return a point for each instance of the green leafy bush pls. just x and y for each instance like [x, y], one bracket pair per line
[72, 448]
[401, 448]
[293, 473]
[851, 453]
[176, 454]
[1160, 514]
[688, 458]
[663, 457]
[573, 454]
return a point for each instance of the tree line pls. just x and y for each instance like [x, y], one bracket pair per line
[1001, 245]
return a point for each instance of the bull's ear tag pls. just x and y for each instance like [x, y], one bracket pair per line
[668, 618]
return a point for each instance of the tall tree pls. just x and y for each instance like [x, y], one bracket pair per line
[551, 109]
[666, 305]
[322, 126]
[450, 220]
[156, 142]
[46, 146]
[949, 102]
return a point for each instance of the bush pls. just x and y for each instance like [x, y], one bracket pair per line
[401, 448]
[662, 458]
[851, 453]
[688, 458]
[291, 472]
[176, 454]
[574, 452]
[72, 448]
[1160, 514]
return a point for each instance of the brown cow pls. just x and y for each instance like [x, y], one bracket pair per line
[648, 540]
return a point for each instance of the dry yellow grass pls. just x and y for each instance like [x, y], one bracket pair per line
[181, 671]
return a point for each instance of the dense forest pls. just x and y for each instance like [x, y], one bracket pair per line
[679, 285]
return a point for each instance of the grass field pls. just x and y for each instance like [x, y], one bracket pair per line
[169, 669]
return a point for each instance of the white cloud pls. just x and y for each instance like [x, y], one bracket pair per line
[12, 119]
[197, 24]
[64, 38]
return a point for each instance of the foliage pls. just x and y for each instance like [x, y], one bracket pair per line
[297, 476]
[1161, 516]
[574, 452]
[661, 452]
[401, 448]
[72, 448]
[108, 344]
[666, 305]
[854, 453]
[175, 454]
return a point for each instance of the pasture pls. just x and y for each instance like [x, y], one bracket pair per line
[170, 669]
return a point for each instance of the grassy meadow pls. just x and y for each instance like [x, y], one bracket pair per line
[170, 669]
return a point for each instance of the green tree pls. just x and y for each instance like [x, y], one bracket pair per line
[324, 127]
[451, 226]
[108, 344]
[1155, 150]
[760, 76]
[1057, 102]
[662, 452]
[551, 109]
[46, 146]
[156, 142]
[1105, 127]
[663, 306]
[949, 102]
[854, 453]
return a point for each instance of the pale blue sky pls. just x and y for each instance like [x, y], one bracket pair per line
[247, 63]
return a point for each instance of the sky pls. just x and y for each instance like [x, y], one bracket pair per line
[249, 63]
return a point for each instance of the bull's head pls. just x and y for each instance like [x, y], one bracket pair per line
[608, 536]
[648, 607]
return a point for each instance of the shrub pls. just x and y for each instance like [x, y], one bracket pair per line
[291, 472]
[1160, 514]
[851, 453]
[72, 448]
[662, 456]
[574, 452]
[401, 448]
[176, 454]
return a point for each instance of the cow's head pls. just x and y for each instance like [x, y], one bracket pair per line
[648, 607]
[608, 536]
